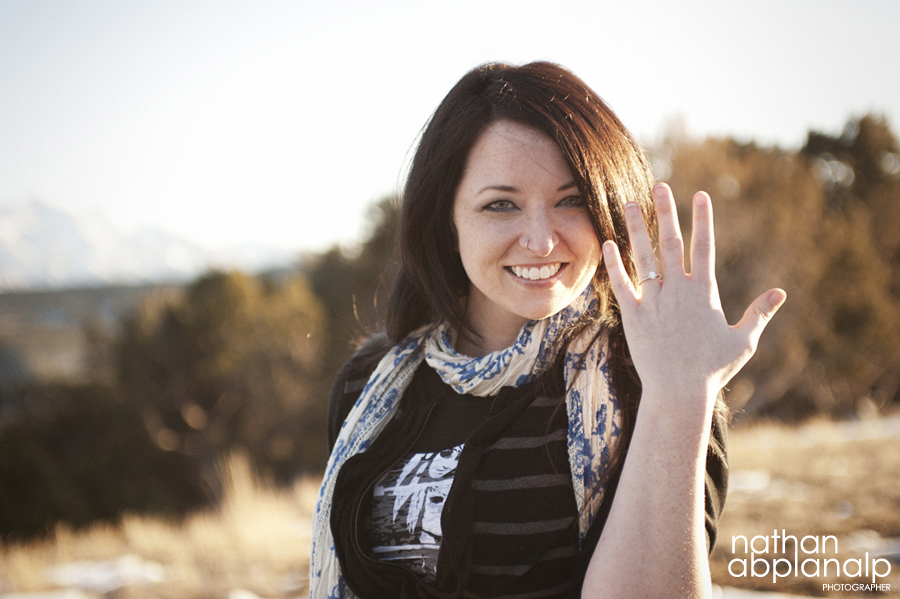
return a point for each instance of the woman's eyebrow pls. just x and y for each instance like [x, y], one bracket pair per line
[512, 189]
[507, 188]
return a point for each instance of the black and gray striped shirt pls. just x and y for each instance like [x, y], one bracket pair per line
[508, 522]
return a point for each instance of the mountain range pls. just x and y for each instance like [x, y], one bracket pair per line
[42, 246]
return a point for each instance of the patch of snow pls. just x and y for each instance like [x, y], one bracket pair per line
[107, 575]
[759, 485]
[885, 427]
[748, 481]
[733, 593]
[64, 594]
[869, 541]
[244, 594]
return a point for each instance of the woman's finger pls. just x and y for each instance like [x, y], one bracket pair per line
[618, 278]
[644, 258]
[703, 241]
[671, 245]
[759, 313]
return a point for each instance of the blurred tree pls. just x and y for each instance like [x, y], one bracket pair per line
[354, 284]
[78, 453]
[806, 223]
[859, 171]
[231, 364]
[97, 362]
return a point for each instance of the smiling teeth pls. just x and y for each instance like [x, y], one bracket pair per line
[536, 274]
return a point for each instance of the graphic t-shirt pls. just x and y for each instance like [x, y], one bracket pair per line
[406, 512]
[408, 499]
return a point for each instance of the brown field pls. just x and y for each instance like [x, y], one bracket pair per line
[823, 478]
[42, 332]
[256, 542]
[820, 479]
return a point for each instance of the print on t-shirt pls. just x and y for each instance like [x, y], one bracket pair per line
[406, 509]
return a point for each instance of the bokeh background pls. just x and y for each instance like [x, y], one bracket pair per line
[197, 213]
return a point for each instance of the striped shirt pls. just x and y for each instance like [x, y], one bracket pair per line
[509, 521]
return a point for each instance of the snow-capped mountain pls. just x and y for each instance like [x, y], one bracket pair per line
[43, 246]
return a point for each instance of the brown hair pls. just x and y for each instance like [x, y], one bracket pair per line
[608, 165]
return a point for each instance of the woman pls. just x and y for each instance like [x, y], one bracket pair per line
[491, 445]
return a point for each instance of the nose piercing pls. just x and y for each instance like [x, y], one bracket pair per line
[526, 244]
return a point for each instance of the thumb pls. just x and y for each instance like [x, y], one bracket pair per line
[760, 312]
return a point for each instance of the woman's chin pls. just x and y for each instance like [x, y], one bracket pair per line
[543, 311]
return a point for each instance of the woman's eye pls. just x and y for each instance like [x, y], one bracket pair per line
[500, 206]
[575, 201]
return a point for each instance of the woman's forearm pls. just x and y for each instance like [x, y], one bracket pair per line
[654, 541]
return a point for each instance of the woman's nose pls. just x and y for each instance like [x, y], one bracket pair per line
[539, 236]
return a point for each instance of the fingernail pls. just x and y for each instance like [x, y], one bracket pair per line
[659, 190]
[777, 297]
[632, 207]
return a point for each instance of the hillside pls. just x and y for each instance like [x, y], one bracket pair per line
[42, 333]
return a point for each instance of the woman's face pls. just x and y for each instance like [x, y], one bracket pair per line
[524, 233]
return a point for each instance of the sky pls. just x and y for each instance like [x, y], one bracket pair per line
[235, 123]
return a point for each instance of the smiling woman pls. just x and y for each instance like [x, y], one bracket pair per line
[524, 234]
[541, 419]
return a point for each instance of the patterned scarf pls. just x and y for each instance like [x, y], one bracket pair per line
[593, 413]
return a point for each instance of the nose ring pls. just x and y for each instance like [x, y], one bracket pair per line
[526, 244]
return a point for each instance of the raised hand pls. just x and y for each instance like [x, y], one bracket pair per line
[684, 350]
[680, 341]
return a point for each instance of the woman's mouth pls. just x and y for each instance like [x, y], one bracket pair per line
[535, 273]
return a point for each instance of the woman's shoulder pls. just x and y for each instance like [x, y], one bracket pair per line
[351, 379]
[367, 356]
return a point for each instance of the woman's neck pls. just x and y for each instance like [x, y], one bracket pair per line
[492, 335]
[477, 347]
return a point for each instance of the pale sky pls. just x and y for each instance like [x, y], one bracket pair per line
[277, 122]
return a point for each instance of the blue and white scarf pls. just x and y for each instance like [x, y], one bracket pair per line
[593, 413]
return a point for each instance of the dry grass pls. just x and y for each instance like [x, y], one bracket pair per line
[823, 478]
[258, 540]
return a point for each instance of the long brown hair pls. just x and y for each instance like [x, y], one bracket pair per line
[609, 168]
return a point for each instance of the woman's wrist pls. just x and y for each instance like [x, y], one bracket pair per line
[685, 394]
[678, 409]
